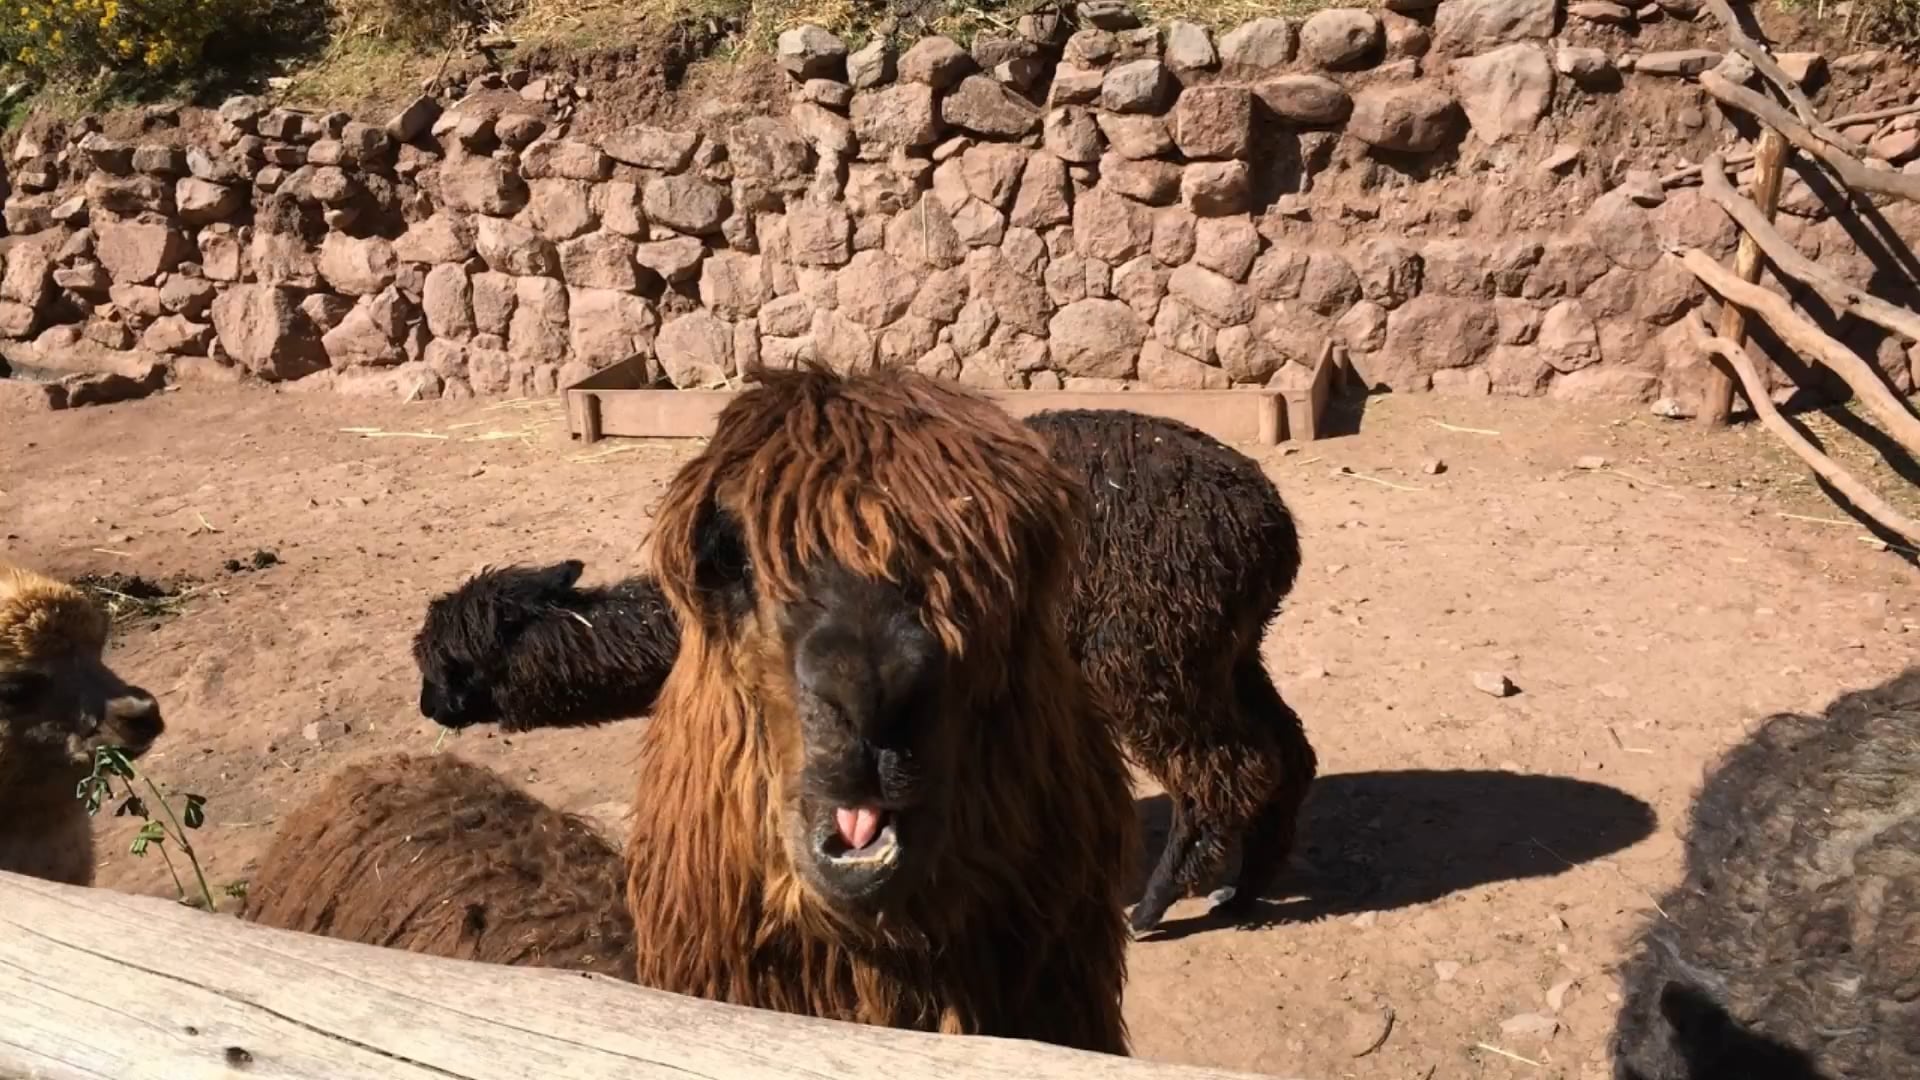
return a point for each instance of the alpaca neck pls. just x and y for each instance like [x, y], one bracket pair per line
[44, 829]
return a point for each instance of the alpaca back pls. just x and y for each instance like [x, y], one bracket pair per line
[1797, 926]
[436, 855]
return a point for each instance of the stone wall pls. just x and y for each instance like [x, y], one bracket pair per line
[1463, 192]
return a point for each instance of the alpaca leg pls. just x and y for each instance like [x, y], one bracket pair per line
[1163, 887]
[1269, 840]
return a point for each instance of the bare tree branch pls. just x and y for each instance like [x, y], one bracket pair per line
[1839, 294]
[1717, 404]
[1735, 161]
[1811, 342]
[1861, 496]
[1765, 64]
[1854, 174]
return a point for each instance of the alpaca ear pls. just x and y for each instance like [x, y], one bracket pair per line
[562, 576]
[1698, 1021]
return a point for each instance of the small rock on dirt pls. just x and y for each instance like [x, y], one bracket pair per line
[324, 731]
[1493, 682]
[1564, 157]
[259, 560]
[1530, 1025]
[1591, 463]
[1446, 970]
[1433, 466]
[1557, 994]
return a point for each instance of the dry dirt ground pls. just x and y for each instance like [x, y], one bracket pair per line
[1471, 865]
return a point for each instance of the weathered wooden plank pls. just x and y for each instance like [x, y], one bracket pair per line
[96, 984]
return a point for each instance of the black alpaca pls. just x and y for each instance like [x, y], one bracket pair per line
[526, 647]
[1189, 553]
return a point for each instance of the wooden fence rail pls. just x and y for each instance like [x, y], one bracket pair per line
[1798, 125]
[99, 985]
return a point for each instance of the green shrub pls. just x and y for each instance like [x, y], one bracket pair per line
[82, 39]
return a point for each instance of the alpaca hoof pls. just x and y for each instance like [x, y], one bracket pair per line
[1233, 904]
[1143, 921]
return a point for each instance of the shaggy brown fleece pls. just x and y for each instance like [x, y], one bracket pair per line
[1021, 931]
[436, 855]
[1188, 555]
[42, 619]
[59, 704]
[1791, 949]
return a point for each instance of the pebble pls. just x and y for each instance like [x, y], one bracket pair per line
[1671, 409]
[1563, 158]
[1433, 466]
[1557, 994]
[1535, 1025]
[321, 731]
[1446, 970]
[1492, 682]
[1591, 462]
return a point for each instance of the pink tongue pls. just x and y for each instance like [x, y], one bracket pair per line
[858, 825]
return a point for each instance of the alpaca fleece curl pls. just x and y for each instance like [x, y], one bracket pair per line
[898, 476]
[436, 855]
[1791, 949]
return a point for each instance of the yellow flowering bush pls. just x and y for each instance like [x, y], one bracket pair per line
[83, 38]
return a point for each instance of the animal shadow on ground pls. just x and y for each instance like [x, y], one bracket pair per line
[1375, 841]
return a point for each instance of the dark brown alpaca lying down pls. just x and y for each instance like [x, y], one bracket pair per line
[1187, 556]
[436, 855]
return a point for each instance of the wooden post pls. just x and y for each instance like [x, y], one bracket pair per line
[1771, 159]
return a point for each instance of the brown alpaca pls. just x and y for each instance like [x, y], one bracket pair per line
[59, 703]
[436, 855]
[876, 787]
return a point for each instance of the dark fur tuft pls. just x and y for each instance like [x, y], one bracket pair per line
[1791, 950]
[527, 647]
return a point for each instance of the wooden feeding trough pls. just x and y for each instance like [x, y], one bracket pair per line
[616, 402]
[95, 983]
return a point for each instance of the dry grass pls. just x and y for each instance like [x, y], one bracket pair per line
[383, 47]
[1884, 23]
[1753, 461]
